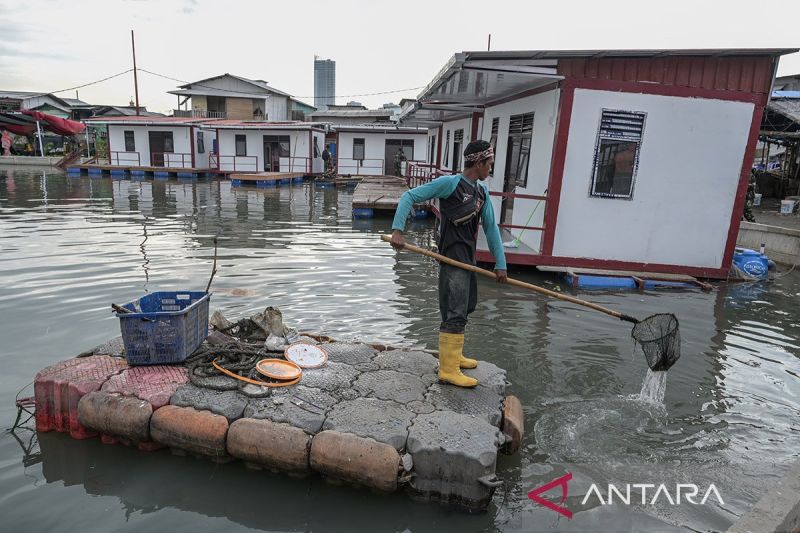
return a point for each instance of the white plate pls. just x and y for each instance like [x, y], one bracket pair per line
[306, 355]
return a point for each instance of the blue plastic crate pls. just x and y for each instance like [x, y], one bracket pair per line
[164, 327]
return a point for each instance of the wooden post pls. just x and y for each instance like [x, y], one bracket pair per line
[135, 78]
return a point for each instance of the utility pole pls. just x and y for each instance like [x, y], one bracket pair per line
[135, 78]
[489, 45]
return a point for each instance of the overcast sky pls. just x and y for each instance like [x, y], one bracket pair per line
[47, 45]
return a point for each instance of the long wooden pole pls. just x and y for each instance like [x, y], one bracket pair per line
[517, 283]
[135, 78]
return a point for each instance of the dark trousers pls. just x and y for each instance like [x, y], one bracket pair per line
[458, 296]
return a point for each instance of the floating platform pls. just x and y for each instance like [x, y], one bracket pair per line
[372, 416]
[267, 179]
[590, 278]
[379, 195]
[119, 171]
[339, 181]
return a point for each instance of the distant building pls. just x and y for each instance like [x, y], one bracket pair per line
[233, 97]
[44, 102]
[324, 83]
[787, 83]
[342, 114]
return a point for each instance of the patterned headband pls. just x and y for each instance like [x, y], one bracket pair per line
[480, 156]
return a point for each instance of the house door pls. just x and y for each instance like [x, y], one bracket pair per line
[160, 144]
[275, 147]
[390, 154]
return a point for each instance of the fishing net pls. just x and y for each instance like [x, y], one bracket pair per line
[660, 339]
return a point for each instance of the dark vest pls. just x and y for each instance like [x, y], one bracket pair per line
[461, 217]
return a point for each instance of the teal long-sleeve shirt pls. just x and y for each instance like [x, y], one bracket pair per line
[443, 187]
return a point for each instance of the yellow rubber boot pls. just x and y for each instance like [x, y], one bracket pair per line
[451, 346]
[466, 362]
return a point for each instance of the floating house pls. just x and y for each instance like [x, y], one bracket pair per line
[370, 149]
[628, 160]
[149, 142]
[233, 97]
[245, 146]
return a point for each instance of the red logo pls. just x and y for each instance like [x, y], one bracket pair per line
[562, 482]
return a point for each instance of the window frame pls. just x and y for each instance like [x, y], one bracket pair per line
[132, 139]
[625, 130]
[240, 139]
[201, 143]
[517, 137]
[359, 142]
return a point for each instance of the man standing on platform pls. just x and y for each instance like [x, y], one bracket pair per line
[463, 204]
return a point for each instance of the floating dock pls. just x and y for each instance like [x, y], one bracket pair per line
[379, 195]
[372, 416]
[267, 179]
[94, 169]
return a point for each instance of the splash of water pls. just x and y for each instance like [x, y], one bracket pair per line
[654, 387]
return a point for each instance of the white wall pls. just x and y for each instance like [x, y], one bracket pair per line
[463, 124]
[545, 109]
[180, 138]
[689, 167]
[298, 148]
[374, 151]
[201, 160]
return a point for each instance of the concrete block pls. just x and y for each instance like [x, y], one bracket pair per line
[355, 460]
[350, 353]
[113, 414]
[154, 384]
[777, 510]
[454, 458]
[185, 428]
[390, 385]
[479, 401]
[330, 377]
[489, 375]
[274, 446]
[229, 404]
[299, 406]
[413, 362]
[59, 388]
[513, 424]
[381, 420]
[115, 348]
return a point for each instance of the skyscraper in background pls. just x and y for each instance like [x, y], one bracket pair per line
[324, 83]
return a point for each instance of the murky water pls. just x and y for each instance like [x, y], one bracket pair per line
[730, 413]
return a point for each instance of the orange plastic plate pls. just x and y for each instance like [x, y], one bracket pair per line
[278, 369]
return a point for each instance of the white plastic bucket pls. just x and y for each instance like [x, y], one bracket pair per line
[757, 199]
[787, 206]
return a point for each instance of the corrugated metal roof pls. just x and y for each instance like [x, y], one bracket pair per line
[253, 125]
[353, 113]
[563, 54]
[149, 120]
[203, 90]
[788, 107]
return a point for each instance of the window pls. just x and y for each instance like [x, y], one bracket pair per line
[201, 145]
[130, 142]
[358, 149]
[317, 153]
[447, 149]
[432, 149]
[458, 141]
[616, 154]
[280, 145]
[520, 132]
[493, 139]
[241, 145]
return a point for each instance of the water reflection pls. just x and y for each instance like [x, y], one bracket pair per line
[72, 245]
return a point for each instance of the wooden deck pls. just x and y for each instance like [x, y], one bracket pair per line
[639, 277]
[380, 193]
